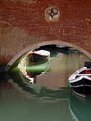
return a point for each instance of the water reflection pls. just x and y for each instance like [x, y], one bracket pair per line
[16, 103]
[49, 99]
[80, 108]
[63, 62]
[16, 107]
[36, 90]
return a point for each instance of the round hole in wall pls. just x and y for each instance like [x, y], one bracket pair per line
[52, 14]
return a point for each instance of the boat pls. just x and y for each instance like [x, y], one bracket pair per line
[37, 57]
[80, 81]
[34, 63]
[37, 62]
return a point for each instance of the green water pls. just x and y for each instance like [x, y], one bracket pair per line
[17, 107]
[22, 104]
[50, 99]
[61, 65]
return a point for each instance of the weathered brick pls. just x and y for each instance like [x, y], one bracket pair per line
[29, 18]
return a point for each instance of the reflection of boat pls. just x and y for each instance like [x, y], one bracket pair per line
[80, 81]
[80, 108]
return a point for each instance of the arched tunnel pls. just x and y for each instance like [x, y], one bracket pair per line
[58, 27]
[65, 59]
[45, 60]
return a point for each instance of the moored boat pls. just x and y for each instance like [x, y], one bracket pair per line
[34, 63]
[80, 81]
[37, 57]
[37, 62]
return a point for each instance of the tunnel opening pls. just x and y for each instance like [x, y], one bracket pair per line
[53, 74]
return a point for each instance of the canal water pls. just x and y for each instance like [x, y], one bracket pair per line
[50, 98]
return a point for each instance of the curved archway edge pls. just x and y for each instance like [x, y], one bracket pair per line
[57, 42]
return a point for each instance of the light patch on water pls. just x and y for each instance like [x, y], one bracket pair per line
[22, 67]
[62, 63]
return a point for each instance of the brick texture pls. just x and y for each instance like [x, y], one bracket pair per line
[23, 23]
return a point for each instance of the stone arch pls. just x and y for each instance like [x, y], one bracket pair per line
[34, 46]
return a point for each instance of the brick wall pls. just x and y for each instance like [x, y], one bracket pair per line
[23, 24]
